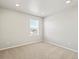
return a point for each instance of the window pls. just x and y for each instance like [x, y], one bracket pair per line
[34, 27]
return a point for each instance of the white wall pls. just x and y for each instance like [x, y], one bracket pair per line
[14, 28]
[61, 28]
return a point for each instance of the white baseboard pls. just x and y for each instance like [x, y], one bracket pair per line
[36, 41]
[53, 43]
[22, 44]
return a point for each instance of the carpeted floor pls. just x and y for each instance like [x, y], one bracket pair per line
[38, 51]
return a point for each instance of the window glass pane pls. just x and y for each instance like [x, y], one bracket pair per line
[34, 27]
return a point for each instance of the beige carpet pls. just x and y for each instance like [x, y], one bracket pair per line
[38, 51]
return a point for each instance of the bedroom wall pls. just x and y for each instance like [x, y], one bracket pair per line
[14, 29]
[61, 28]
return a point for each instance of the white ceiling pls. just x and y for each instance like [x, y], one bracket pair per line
[37, 7]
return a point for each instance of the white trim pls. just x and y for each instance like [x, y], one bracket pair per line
[31, 42]
[26, 43]
[50, 42]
